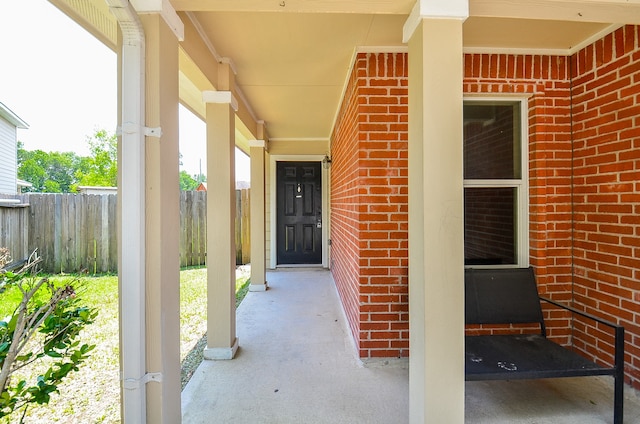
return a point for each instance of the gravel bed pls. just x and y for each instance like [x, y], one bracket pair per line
[191, 362]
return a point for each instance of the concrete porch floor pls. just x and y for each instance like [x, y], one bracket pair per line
[297, 364]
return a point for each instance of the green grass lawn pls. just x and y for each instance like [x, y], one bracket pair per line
[92, 395]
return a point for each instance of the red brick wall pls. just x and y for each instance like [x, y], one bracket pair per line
[369, 212]
[606, 125]
[584, 179]
[345, 207]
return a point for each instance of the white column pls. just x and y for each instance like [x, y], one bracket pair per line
[436, 251]
[222, 342]
[258, 273]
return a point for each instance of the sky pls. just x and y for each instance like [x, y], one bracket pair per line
[61, 81]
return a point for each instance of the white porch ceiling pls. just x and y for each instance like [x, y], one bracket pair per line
[292, 57]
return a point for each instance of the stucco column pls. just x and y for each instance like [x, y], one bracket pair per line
[221, 212]
[162, 221]
[436, 256]
[258, 273]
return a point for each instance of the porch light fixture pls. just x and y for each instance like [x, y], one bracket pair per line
[326, 162]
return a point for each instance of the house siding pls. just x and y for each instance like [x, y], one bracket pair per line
[8, 157]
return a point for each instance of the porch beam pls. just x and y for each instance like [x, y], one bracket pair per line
[604, 11]
[436, 258]
[199, 50]
[401, 7]
[222, 342]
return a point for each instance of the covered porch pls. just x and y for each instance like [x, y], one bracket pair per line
[372, 94]
[297, 364]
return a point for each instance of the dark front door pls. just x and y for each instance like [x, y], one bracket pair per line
[299, 205]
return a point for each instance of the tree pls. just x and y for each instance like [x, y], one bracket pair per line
[101, 168]
[57, 172]
[48, 172]
[187, 182]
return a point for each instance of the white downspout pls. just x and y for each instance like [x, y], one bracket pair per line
[132, 197]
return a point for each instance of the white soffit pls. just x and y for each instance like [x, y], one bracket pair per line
[530, 36]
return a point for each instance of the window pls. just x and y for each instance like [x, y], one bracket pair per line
[495, 184]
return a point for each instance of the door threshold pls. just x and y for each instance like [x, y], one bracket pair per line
[299, 266]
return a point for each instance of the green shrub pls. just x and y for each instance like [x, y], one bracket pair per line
[42, 330]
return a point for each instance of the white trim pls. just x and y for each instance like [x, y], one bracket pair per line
[597, 11]
[258, 287]
[231, 63]
[11, 117]
[380, 49]
[257, 143]
[166, 10]
[273, 257]
[221, 353]
[523, 200]
[246, 103]
[203, 36]
[521, 185]
[227, 97]
[220, 59]
[345, 84]
[450, 9]
[411, 23]
[503, 96]
[300, 139]
[595, 37]
[516, 51]
[430, 9]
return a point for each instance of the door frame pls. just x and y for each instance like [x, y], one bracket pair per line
[273, 254]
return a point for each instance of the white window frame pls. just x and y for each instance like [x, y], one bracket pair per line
[521, 185]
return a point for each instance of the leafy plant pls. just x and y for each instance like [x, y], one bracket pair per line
[43, 328]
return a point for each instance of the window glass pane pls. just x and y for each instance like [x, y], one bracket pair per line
[490, 225]
[492, 140]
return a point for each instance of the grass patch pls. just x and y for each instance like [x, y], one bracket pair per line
[92, 395]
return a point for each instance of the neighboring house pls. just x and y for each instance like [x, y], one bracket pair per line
[240, 185]
[22, 184]
[461, 133]
[9, 124]
[97, 190]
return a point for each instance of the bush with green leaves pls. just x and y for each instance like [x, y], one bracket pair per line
[43, 330]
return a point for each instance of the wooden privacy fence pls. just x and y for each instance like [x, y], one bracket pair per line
[73, 232]
[243, 243]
